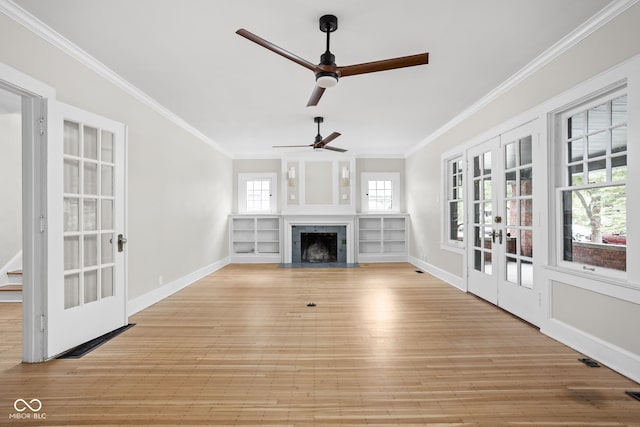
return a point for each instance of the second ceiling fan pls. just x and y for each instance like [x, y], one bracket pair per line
[319, 142]
[327, 72]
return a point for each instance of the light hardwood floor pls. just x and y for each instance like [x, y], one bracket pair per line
[383, 346]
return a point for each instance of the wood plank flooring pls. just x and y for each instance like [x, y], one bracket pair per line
[384, 346]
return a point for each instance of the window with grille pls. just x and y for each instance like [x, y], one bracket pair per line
[381, 192]
[257, 193]
[592, 188]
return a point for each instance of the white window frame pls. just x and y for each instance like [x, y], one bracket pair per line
[243, 178]
[561, 182]
[446, 191]
[396, 196]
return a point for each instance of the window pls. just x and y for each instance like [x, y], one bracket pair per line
[455, 205]
[593, 199]
[381, 192]
[256, 193]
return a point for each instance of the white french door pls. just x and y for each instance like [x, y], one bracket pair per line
[87, 289]
[501, 222]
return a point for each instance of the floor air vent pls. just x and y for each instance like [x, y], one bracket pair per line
[634, 394]
[418, 271]
[590, 362]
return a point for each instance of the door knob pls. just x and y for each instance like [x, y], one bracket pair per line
[121, 242]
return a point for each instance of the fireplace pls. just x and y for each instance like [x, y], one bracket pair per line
[319, 247]
[318, 244]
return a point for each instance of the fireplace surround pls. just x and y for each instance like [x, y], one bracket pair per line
[319, 230]
[318, 244]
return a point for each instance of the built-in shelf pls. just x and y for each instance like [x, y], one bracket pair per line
[255, 238]
[382, 238]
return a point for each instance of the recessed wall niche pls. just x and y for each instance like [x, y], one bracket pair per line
[318, 185]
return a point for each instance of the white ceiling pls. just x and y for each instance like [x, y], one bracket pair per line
[185, 55]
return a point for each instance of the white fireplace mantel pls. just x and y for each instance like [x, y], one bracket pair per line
[290, 220]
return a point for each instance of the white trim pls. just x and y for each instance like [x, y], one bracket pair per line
[598, 20]
[616, 358]
[452, 279]
[48, 34]
[138, 304]
[289, 221]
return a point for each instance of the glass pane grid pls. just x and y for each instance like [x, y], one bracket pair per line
[258, 195]
[594, 210]
[89, 205]
[380, 195]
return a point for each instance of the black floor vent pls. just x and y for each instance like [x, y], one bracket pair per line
[590, 362]
[634, 394]
[87, 347]
[418, 271]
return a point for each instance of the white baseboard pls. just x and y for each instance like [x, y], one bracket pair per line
[614, 357]
[451, 279]
[140, 303]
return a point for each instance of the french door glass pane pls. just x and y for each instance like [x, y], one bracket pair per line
[107, 282]
[107, 181]
[90, 250]
[90, 143]
[107, 248]
[71, 252]
[90, 215]
[71, 290]
[107, 146]
[71, 176]
[71, 138]
[90, 286]
[90, 179]
[107, 214]
[71, 216]
[525, 151]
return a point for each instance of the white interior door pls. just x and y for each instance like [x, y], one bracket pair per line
[87, 289]
[484, 249]
[517, 291]
[501, 222]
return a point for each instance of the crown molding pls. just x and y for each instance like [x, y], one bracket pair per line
[47, 33]
[604, 16]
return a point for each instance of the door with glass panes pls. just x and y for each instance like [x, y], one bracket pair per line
[87, 297]
[501, 218]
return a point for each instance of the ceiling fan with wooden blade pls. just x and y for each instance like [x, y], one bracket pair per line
[320, 142]
[327, 72]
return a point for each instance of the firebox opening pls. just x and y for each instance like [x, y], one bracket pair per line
[319, 247]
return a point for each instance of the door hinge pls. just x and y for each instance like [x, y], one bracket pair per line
[41, 123]
[43, 223]
[43, 322]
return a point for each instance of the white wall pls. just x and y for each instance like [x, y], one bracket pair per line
[10, 187]
[179, 186]
[584, 314]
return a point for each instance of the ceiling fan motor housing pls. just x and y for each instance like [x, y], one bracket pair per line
[328, 23]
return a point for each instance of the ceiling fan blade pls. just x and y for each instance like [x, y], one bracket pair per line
[386, 64]
[327, 140]
[288, 146]
[315, 96]
[272, 47]
[341, 150]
